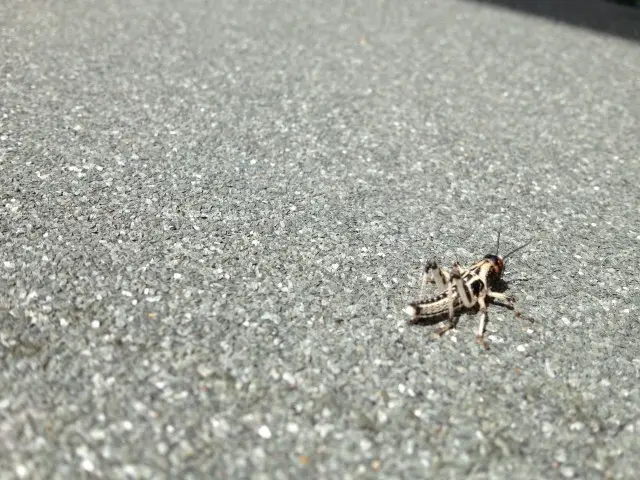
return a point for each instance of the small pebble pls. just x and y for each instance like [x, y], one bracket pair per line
[22, 471]
[87, 465]
[264, 432]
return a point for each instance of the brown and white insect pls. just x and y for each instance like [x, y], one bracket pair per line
[460, 290]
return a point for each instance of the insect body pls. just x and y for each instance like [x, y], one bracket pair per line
[460, 290]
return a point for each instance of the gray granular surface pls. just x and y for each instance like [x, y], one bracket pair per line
[213, 214]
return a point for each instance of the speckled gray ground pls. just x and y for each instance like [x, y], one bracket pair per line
[212, 218]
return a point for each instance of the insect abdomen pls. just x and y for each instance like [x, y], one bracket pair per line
[434, 307]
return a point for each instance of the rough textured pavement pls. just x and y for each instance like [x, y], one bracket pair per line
[213, 214]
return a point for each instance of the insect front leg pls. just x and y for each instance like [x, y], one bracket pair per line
[505, 300]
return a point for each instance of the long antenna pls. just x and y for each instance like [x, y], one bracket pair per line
[498, 246]
[519, 248]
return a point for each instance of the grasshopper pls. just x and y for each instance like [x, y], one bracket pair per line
[460, 290]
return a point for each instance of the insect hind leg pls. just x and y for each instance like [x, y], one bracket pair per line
[482, 304]
[452, 322]
[468, 300]
[435, 274]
